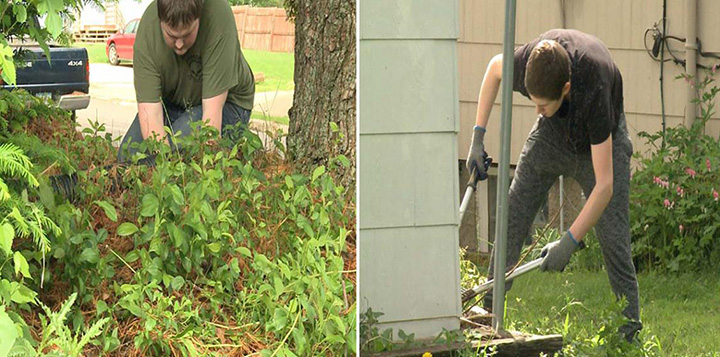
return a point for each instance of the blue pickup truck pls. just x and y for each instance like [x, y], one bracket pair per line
[65, 78]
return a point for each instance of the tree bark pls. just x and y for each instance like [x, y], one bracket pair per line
[324, 85]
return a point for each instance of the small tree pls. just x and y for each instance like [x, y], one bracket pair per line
[20, 19]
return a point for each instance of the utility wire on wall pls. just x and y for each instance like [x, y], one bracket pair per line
[657, 53]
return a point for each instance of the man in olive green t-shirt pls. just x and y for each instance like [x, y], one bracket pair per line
[187, 61]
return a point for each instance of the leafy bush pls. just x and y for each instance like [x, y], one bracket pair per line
[674, 210]
[217, 249]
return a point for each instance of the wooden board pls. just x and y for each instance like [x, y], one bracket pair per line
[518, 345]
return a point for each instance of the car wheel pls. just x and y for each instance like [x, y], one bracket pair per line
[112, 55]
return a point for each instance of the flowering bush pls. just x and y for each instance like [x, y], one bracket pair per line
[674, 200]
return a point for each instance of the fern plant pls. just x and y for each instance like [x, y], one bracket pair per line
[27, 218]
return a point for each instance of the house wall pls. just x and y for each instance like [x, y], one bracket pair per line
[408, 226]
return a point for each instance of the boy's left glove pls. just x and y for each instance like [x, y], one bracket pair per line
[557, 254]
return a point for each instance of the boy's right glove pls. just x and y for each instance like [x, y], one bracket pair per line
[477, 156]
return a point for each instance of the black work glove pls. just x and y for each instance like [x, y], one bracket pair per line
[557, 254]
[477, 155]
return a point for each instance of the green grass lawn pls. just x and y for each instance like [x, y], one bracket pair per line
[278, 68]
[96, 51]
[261, 116]
[682, 311]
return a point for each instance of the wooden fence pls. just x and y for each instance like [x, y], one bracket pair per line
[266, 29]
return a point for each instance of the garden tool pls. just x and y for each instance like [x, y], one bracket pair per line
[472, 184]
[64, 184]
[471, 293]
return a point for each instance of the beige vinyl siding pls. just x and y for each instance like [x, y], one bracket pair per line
[620, 24]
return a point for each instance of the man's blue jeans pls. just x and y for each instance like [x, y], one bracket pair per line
[179, 120]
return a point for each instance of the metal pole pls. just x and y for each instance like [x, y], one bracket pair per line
[504, 166]
[691, 61]
[562, 210]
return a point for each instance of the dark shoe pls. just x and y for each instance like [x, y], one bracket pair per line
[630, 330]
[487, 302]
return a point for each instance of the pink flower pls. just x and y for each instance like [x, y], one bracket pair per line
[680, 191]
[707, 161]
[690, 172]
[681, 228]
[660, 182]
[668, 204]
[715, 194]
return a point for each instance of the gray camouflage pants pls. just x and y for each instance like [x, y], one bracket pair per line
[544, 158]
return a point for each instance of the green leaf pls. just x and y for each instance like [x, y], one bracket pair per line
[21, 265]
[7, 64]
[21, 15]
[22, 294]
[177, 283]
[318, 172]
[132, 256]
[109, 209]
[177, 195]
[54, 24]
[303, 223]
[101, 307]
[150, 205]
[244, 251]
[344, 161]
[289, 182]
[7, 234]
[177, 235]
[8, 332]
[126, 229]
[90, 255]
[131, 306]
[214, 247]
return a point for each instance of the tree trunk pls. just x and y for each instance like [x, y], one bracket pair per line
[324, 85]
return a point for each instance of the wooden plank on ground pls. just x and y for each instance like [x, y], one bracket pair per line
[518, 345]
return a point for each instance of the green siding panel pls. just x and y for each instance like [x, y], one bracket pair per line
[408, 180]
[408, 86]
[410, 273]
[408, 19]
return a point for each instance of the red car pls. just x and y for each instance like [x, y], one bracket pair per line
[120, 45]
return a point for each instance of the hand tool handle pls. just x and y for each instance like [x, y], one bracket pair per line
[471, 293]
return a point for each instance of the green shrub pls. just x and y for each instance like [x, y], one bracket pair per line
[674, 207]
[218, 249]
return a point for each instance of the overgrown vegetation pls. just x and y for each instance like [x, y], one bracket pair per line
[220, 249]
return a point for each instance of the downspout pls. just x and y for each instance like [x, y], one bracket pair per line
[691, 61]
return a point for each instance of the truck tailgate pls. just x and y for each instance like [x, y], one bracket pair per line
[68, 71]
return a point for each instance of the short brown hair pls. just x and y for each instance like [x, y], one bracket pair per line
[176, 13]
[548, 69]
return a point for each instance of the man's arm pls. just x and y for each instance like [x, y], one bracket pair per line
[212, 110]
[489, 90]
[601, 193]
[151, 120]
